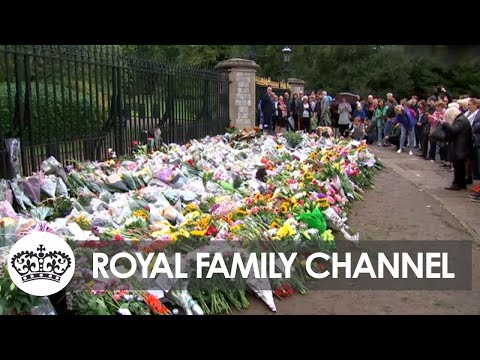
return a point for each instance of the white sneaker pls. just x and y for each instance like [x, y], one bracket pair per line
[399, 151]
[410, 153]
[432, 161]
[379, 144]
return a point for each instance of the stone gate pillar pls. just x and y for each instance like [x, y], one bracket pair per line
[296, 85]
[241, 88]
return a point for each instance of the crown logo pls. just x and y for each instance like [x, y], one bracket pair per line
[40, 265]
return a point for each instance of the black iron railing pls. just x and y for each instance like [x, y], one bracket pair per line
[76, 102]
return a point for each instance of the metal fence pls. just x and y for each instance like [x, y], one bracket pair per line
[76, 102]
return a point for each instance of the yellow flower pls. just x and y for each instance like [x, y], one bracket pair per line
[285, 207]
[134, 239]
[328, 236]
[303, 263]
[279, 146]
[198, 232]
[301, 185]
[257, 196]
[293, 200]
[274, 225]
[242, 212]
[230, 216]
[183, 232]
[204, 221]
[235, 228]
[173, 237]
[141, 213]
[288, 167]
[285, 230]
[191, 207]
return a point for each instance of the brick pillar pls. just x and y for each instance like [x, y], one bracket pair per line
[241, 75]
[296, 85]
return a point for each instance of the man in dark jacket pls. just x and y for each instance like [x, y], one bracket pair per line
[266, 108]
[459, 135]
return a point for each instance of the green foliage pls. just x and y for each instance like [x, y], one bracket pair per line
[363, 69]
[293, 138]
[74, 120]
[12, 299]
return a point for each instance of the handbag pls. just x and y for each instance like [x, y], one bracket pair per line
[438, 134]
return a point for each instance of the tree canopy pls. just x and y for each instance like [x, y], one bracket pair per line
[363, 69]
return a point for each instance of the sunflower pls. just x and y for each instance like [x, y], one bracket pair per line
[274, 225]
[285, 207]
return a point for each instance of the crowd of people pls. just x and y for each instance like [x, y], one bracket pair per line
[440, 126]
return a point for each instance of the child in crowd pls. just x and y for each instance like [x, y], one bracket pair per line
[357, 130]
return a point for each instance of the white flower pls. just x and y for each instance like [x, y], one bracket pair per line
[124, 312]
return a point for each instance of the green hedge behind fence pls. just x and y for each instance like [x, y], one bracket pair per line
[53, 116]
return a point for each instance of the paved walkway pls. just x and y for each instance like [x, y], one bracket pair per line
[432, 178]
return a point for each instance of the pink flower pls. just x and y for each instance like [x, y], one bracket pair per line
[116, 297]
[338, 198]
[331, 200]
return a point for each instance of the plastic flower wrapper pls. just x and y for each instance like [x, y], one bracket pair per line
[7, 210]
[184, 299]
[258, 286]
[120, 211]
[115, 182]
[313, 219]
[196, 186]
[19, 195]
[51, 166]
[49, 185]
[8, 235]
[353, 238]
[333, 219]
[127, 178]
[45, 308]
[41, 213]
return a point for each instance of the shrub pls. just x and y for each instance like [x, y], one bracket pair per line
[50, 119]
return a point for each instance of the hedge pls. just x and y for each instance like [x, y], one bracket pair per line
[71, 121]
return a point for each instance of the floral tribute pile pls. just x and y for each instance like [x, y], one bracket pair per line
[235, 187]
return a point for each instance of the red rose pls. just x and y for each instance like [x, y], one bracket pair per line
[119, 237]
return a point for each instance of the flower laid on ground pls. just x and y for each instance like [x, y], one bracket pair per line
[180, 198]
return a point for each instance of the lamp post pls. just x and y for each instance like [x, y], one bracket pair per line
[287, 54]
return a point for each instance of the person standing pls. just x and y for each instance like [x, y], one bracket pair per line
[325, 110]
[299, 109]
[292, 120]
[306, 114]
[344, 112]
[369, 107]
[282, 116]
[335, 118]
[267, 108]
[424, 128]
[459, 134]
[473, 116]
[380, 116]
